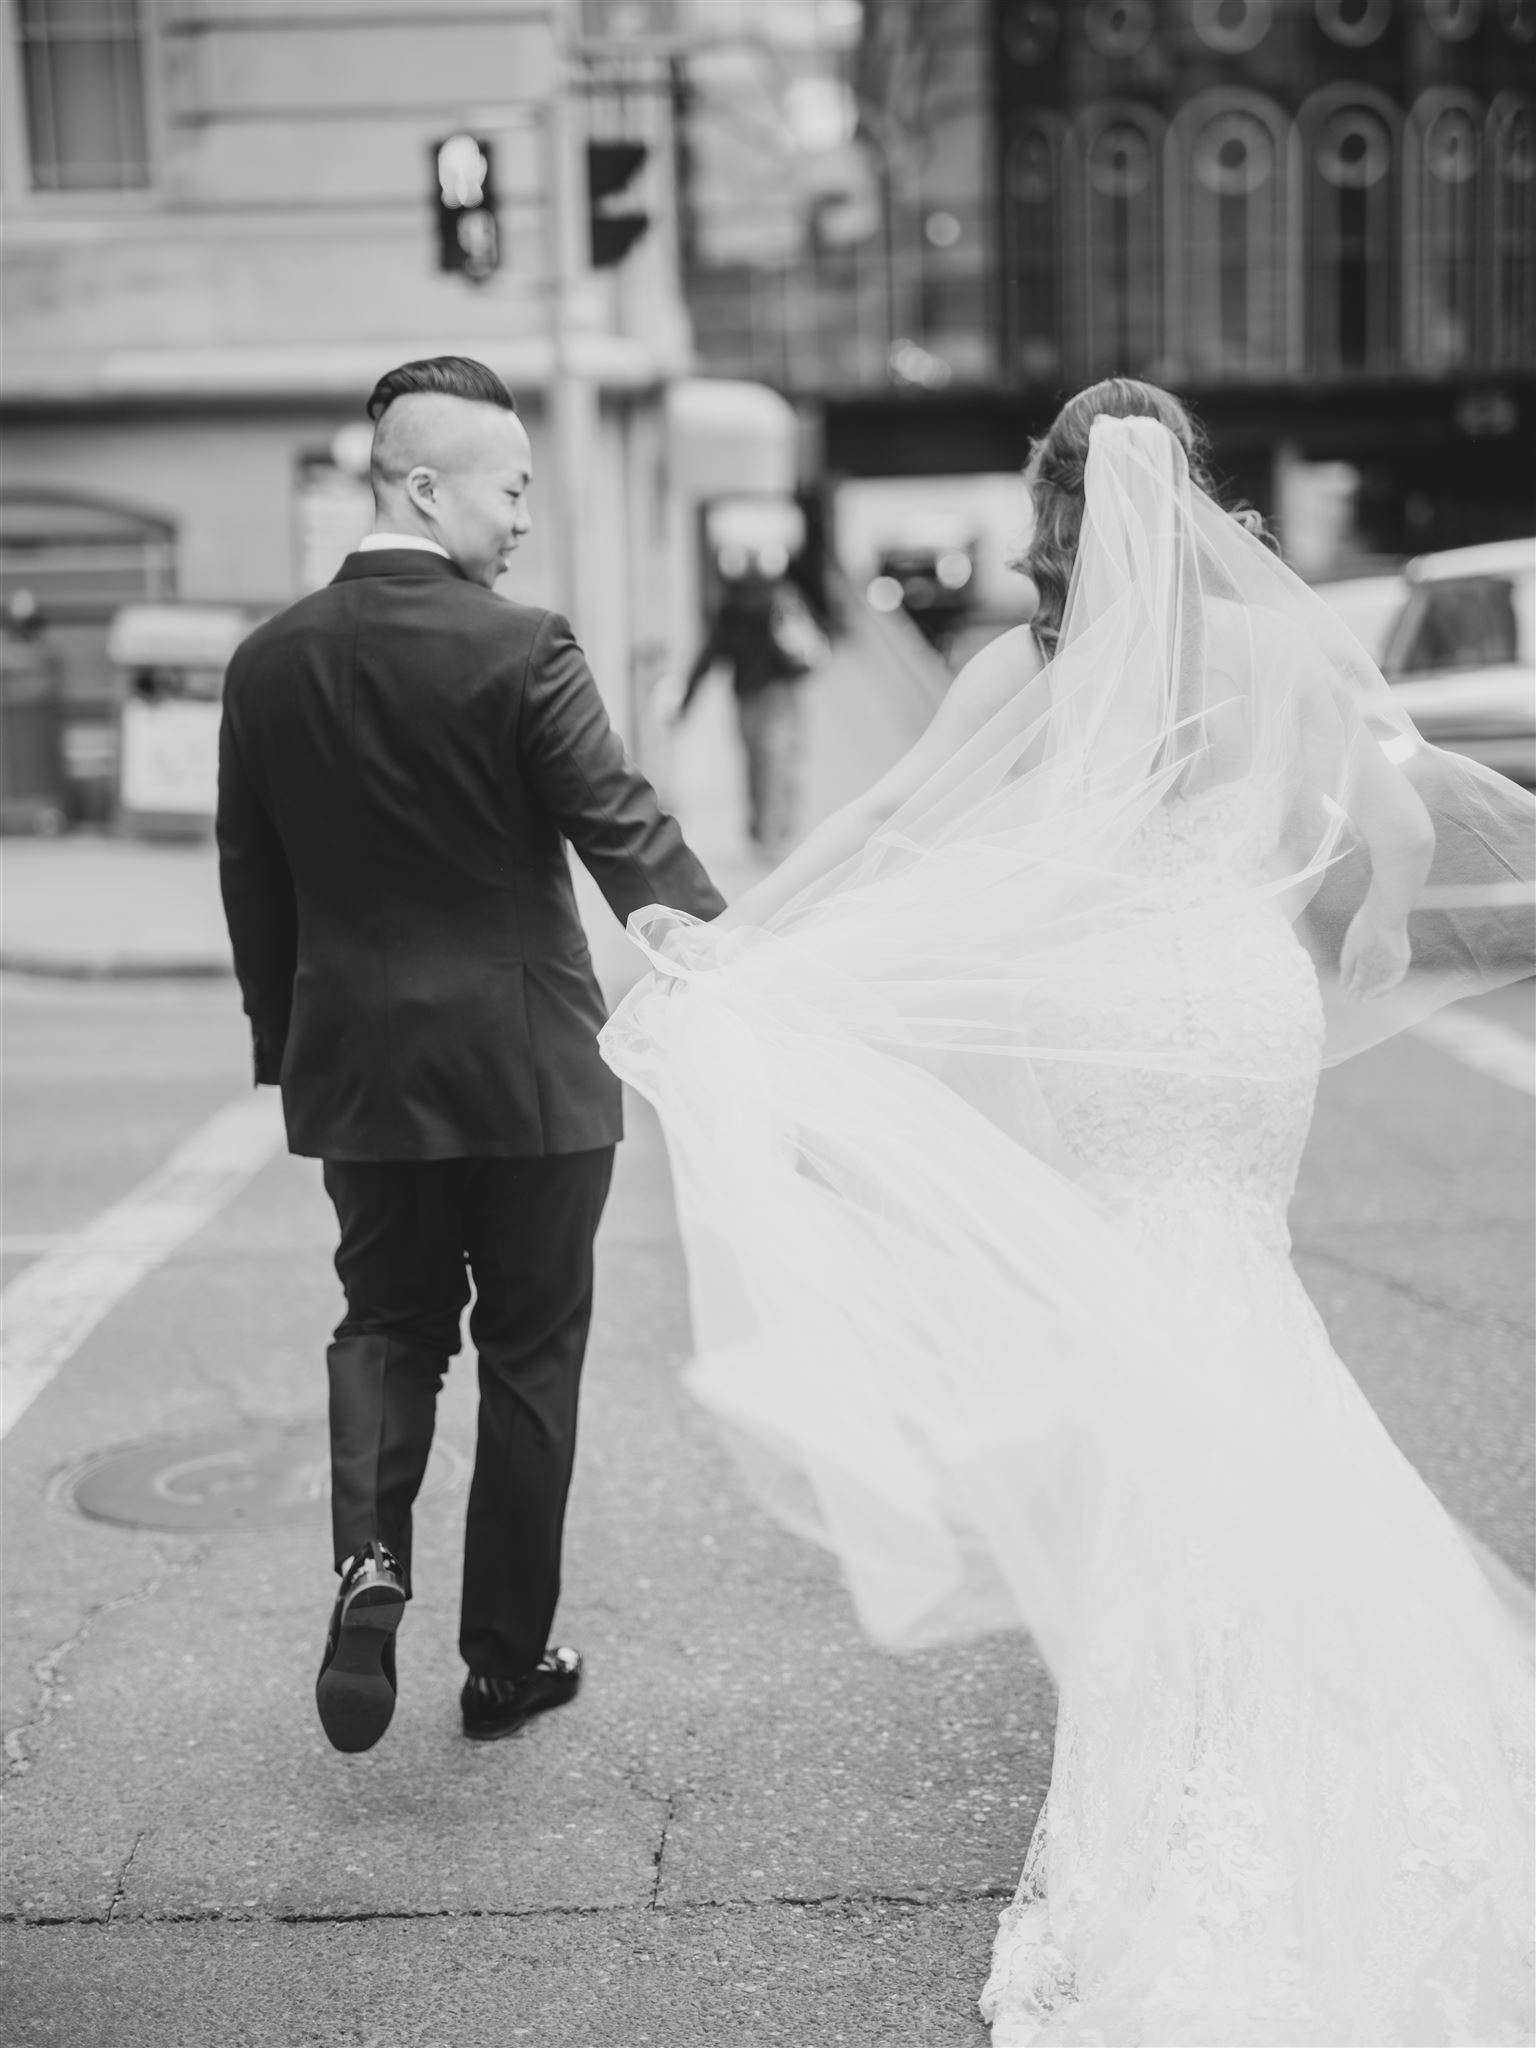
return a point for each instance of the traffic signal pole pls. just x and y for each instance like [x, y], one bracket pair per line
[572, 400]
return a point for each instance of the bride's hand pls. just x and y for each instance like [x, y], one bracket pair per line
[1375, 955]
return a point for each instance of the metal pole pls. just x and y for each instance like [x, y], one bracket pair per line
[561, 261]
[572, 395]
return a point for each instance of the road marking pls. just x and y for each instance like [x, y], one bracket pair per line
[1482, 1042]
[1475, 896]
[50, 1309]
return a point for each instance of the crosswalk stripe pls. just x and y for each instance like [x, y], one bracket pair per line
[1484, 1043]
[51, 1307]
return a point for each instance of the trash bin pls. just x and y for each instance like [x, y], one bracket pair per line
[171, 659]
[32, 791]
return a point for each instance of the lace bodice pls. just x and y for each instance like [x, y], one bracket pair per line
[1203, 838]
[1224, 987]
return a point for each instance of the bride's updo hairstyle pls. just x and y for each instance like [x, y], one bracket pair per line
[1054, 478]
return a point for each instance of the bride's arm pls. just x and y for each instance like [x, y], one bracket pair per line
[1390, 817]
[986, 683]
[1400, 838]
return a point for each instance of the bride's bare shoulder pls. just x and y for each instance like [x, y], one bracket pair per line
[998, 671]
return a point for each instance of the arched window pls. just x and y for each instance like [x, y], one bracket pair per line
[1453, 21]
[1443, 153]
[1228, 183]
[82, 556]
[1232, 27]
[1036, 254]
[1512, 233]
[1118, 300]
[1118, 28]
[1354, 23]
[1351, 179]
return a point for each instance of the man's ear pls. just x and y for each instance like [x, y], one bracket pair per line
[421, 489]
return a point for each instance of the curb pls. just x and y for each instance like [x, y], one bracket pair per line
[115, 967]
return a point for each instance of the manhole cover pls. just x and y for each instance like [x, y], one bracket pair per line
[247, 1475]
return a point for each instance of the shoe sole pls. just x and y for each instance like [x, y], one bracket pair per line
[355, 1699]
[504, 1728]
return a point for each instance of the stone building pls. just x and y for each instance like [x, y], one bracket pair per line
[1316, 218]
[220, 227]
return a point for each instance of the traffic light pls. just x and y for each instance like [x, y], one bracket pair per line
[467, 236]
[612, 168]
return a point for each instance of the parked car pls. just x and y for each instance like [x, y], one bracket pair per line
[1368, 605]
[1461, 655]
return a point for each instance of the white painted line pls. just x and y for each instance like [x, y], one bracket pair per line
[1476, 896]
[49, 1310]
[1482, 1042]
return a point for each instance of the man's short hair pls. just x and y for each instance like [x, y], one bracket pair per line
[452, 376]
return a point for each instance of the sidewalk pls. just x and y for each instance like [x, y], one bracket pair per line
[96, 906]
[91, 906]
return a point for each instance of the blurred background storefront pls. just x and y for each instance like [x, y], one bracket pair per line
[743, 250]
[1314, 218]
[224, 219]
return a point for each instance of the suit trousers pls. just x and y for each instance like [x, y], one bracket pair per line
[413, 1235]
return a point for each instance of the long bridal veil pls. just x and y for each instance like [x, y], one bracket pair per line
[930, 1347]
[939, 1347]
[911, 1316]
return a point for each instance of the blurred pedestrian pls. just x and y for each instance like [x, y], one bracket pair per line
[403, 757]
[764, 633]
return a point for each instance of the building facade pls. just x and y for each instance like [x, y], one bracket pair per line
[1315, 218]
[220, 228]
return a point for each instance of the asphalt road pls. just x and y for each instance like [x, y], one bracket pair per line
[752, 1830]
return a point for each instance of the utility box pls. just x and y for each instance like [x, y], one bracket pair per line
[171, 659]
[32, 790]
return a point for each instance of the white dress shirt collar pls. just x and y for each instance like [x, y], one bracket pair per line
[371, 541]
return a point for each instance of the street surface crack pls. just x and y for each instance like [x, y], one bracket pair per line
[120, 1889]
[934, 1901]
[661, 1847]
[1364, 1269]
[46, 1671]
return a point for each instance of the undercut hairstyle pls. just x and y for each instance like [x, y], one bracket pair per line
[1054, 478]
[448, 376]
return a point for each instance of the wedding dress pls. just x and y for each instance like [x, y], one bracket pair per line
[1224, 1855]
[982, 1155]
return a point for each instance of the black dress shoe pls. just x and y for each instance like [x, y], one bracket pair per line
[494, 1707]
[355, 1691]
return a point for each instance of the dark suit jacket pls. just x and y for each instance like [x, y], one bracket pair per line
[402, 758]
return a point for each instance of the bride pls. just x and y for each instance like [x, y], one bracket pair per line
[984, 1112]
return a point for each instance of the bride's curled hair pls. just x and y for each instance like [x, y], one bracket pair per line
[1053, 477]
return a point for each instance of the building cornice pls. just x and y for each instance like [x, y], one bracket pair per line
[168, 378]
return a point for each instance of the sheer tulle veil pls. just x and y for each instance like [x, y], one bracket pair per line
[920, 1327]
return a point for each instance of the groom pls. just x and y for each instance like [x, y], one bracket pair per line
[403, 758]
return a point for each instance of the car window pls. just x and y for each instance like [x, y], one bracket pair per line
[1455, 622]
